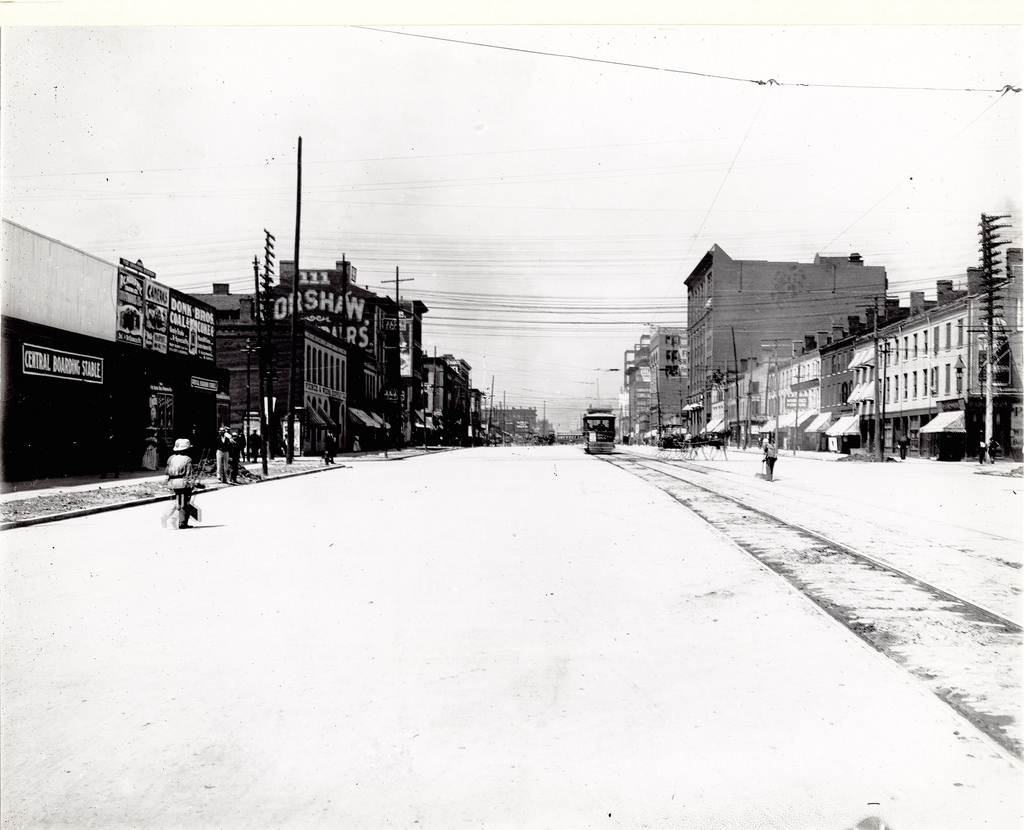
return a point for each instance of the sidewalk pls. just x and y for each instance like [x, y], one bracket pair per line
[50, 499]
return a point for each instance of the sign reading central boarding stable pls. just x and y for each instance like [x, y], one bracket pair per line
[46, 362]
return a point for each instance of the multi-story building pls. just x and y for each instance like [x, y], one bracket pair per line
[668, 372]
[637, 380]
[446, 393]
[735, 307]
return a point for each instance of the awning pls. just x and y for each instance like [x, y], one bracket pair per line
[864, 356]
[820, 422]
[847, 425]
[862, 392]
[716, 425]
[690, 407]
[359, 417]
[315, 418]
[794, 419]
[379, 422]
[946, 422]
[768, 426]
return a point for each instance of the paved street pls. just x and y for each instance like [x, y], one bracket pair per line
[515, 637]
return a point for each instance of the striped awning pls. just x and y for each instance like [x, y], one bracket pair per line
[794, 419]
[946, 422]
[716, 425]
[864, 356]
[820, 423]
[360, 417]
[847, 425]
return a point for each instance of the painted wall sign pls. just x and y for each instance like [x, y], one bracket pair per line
[405, 345]
[46, 362]
[347, 316]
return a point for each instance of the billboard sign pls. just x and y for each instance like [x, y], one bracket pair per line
[405, 345]
[131, 279]
[190, 327]
[157, 299]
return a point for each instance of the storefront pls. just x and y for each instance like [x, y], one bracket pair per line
[102, 366]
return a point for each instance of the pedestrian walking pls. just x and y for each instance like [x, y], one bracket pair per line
[993, 447]
[223, 454]
[981, 452]
[234, 455]
[330, 447]
[254, 446]
[181, 481]
[771, 455]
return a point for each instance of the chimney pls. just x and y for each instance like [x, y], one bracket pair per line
[856, 259]
[975, 280]
[916, 302]
[943, 291]
[837, 333]
[853, 323]
[822, 338]
[810, 344]
[869, 316]
[892, 305]
[221, 288]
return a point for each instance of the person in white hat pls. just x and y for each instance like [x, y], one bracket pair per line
[180, 479]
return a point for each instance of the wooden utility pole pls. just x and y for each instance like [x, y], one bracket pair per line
[290, 451]
[260, 364]
[879, 438]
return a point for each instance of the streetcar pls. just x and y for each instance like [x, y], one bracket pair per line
[599, 431]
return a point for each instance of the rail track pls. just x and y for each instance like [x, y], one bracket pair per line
[948, 642]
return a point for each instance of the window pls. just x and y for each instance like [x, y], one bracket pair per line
[906, 348]
[915, 377]
[935, 340]
[959, 332]
[896, 387]
[926, 343]
[915, 355]
[906, 387]
[896, 350]
[949, 336]
[947, 378]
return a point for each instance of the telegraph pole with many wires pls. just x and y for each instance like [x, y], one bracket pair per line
[991, 283]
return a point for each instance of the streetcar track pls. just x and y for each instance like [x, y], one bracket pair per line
[946, 641]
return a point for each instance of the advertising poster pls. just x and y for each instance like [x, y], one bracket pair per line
[190, 327]
[129, 304]
[157, 301]
[405, 345]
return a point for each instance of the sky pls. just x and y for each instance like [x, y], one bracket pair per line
[544, 190]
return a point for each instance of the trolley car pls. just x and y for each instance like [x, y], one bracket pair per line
[599, 431]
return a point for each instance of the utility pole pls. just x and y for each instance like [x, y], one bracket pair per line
[397, 375]
[879, 438]
[290, 451]
[736, 385]
[490, 412]
[796, 416]
[990, 244]
[261, 358]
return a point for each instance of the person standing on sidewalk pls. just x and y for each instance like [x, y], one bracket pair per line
[223, 454]
[771, 455]
[234, 455]
[180, 479]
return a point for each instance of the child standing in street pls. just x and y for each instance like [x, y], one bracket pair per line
[180, 480]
